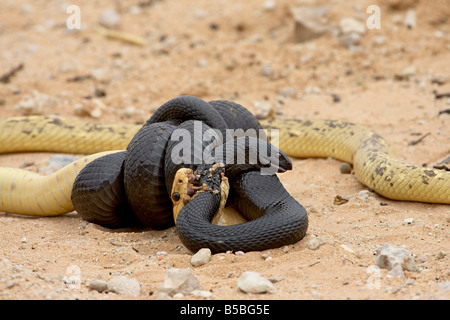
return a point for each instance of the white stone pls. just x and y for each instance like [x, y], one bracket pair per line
[309, 22]
[253, 282]
[395, 260]
[201, 257]
[408, 221]
[124, 285]
[410, 19]
[350, 25]
[109, 18]
[179, 281]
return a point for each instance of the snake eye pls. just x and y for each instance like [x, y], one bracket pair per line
[176, 196]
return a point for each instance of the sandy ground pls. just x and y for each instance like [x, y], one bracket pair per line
[246, 52]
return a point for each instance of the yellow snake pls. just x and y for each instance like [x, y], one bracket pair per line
[375, 164]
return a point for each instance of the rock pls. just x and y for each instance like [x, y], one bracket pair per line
[109, 18]
[407, 73]
[124, 285]
[345, 168]
[408, 221]
[269, 5]
[350, 40]
[56, 162]
[309, 22]
[379, 40]
[363, 194]
[202, 294]
[287, 92]
[348, 25]
[266, 70]
[179, 281]
[316, 242]
[98, 285]
[351, 32]
[160, 254]
[410, 19]
[201, 257]
[263, 110]
[395, 259]
[440, 255]
[90, 108]
[163, 296]
[60, 160]
[445, 286]
[35, 104]
[253, 282]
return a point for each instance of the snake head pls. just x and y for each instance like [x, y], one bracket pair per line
[182, 190]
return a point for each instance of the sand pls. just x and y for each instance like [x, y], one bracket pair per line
[246, 52]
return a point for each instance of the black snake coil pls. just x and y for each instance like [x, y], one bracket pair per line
[132, 187]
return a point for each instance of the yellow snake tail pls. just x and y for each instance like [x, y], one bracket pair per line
[54, 134]
[374, 162]
[28, 193]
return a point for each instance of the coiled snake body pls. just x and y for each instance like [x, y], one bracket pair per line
[276, 218]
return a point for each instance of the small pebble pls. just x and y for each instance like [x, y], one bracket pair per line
[202, 294]
[408, 221]
[407, 73]
[287, 92]
[56, 162]
[345, 168]
[349, 25]
[98, 285]
[410, 19]
[351, 32]
[179, 281]
[60, 160]
[201, 257]
[163, 296]
[124, 285]
[269, 5]
[309, 22]
[395, 260]
[440, 255]
[36, 103]
[315, 243]
[253, 282]
[264, 256]
[266, 70]
[160, 254]
[262, 109]
[363, 195]
[109, 18]
[276, 279]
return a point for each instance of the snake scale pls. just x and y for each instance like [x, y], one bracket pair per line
[375, 163]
